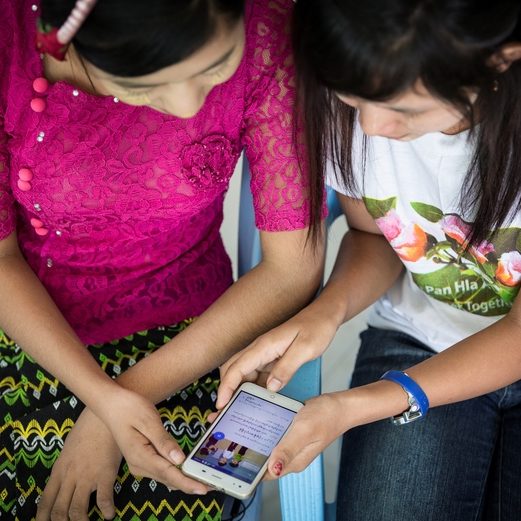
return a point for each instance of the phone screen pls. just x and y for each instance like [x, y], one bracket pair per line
[240, 442]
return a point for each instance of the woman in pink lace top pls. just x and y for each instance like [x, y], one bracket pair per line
[114, 164]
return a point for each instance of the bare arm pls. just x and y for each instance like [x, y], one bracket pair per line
[481, 363]
[30, 317]
[365, 268]
[28, 314]
[284, 281]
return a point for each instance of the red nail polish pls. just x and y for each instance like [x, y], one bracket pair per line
[277, 468]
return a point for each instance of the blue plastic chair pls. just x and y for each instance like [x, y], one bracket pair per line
[302, 495]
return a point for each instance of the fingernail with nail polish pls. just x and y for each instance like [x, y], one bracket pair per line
[277, 468]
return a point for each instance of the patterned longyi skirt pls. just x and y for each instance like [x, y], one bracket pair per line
[37, 412]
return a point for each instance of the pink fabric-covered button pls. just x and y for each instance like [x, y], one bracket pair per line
[40, 85]
[24, 186]
[41, 231]
[25, 174]
[38, 104]
[36, 223]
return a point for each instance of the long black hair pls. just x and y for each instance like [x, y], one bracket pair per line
[136, 37]
[377, 49]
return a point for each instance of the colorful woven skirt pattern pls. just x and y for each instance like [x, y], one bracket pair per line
[37, 412]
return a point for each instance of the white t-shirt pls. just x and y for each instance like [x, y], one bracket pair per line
[412, 189]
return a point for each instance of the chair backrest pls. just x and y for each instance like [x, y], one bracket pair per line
[302, 495]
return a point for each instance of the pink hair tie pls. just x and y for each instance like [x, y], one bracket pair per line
[53, 41]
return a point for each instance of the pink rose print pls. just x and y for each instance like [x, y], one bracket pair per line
[481, 251]
[408, 241]
[508, 270]
[455, 228]
[390, 224]
[459, 230]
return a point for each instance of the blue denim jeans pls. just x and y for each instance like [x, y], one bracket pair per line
[462, 462]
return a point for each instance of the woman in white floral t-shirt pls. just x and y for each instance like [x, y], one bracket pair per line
[426, 133]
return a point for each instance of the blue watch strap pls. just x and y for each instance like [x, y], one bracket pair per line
[410, 386]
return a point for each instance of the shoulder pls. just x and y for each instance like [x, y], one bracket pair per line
[268, 32]
[18, 24]
[9, 24]
[17, 38]
[268, 52]
[273, 14]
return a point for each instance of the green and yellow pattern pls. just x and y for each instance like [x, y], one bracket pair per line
[38, 412]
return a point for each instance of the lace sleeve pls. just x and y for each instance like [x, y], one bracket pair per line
[7, 215]
[278, 182]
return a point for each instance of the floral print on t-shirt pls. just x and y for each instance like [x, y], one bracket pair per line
[482, 279]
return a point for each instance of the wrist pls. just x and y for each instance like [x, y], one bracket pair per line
[328, 310]
[102, 396]
[347, 406]
[372, 402]
[338, 405]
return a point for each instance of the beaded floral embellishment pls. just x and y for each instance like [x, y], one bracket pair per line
[209, 161]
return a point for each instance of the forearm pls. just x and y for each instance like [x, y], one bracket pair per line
[30, 317]
[484, 362]
[365, 268]
[257, 302]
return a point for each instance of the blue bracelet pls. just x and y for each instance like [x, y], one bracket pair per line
[414, 391]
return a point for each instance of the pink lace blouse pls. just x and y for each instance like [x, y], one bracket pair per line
[118, 208]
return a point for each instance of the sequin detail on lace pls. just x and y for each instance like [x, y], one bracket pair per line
[208, 161]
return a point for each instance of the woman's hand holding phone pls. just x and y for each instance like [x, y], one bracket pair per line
[92, 454]
[316, 425]
[273, 358]
[233, 454]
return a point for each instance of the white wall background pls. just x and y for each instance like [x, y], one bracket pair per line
[338, 360]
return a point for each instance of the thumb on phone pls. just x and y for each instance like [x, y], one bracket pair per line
[281, 459]
[315, 426]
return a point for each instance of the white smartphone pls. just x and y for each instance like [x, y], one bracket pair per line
[232, 456]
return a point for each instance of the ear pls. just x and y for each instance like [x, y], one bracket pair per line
[502, 59]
